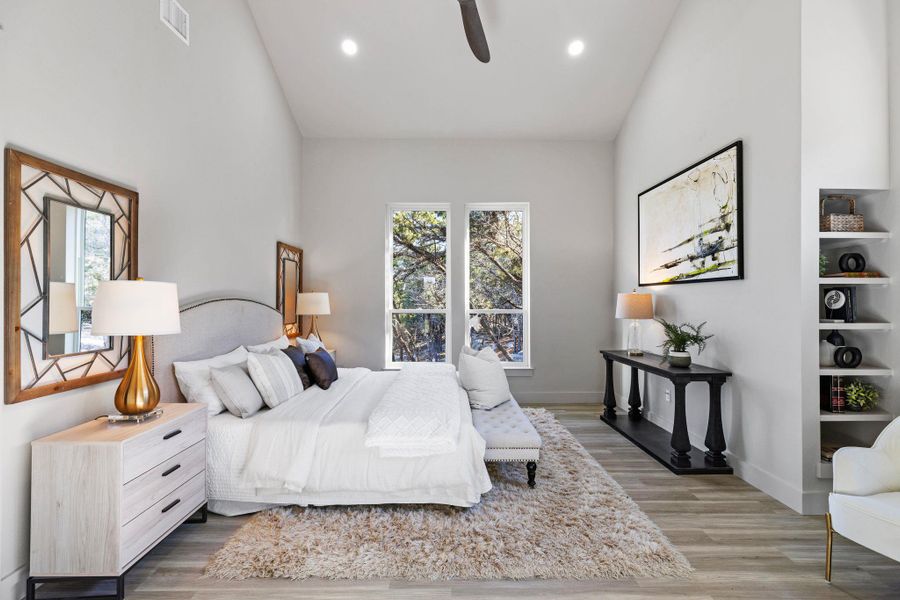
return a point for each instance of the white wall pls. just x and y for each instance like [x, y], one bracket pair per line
[4, 56]
[202, 132]
[844, 145]
[727, 71]
[347, 185]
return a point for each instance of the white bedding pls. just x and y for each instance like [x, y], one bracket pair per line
[341, 469]
[419, 413]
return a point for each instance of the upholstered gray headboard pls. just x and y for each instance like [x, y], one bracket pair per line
[210, 328]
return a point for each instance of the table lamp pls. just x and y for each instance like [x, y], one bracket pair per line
[634, 306]
[62, 311]
[136, 308]
[313, 304]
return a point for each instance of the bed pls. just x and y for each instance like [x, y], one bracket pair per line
[342, 470]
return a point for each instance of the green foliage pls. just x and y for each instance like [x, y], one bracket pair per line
[496, 265]
[823, 265]
[495, 259]
[681, 337]
[861, 395]
[418, 337]
[420, 259]
[496, 273]
[96, 253]
[504, 333]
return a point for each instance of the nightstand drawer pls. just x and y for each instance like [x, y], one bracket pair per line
[142, 453]
[145, 490]
[154, 523]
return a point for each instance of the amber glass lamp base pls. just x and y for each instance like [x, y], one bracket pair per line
[138, 392]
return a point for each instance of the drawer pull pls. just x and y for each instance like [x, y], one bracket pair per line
[171, 434]
[168, 472]
[172, 505]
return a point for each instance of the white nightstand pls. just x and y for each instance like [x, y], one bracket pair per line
[104, 494]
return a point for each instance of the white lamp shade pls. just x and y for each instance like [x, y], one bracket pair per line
[313, 303]
[634, 306]
[136, 308]
[62, 309]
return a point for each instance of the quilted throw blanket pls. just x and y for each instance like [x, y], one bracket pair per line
[419, 414]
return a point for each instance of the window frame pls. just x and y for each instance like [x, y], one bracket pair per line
[525, 207]
[389, 309]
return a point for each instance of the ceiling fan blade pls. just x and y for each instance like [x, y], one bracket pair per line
[474, 30]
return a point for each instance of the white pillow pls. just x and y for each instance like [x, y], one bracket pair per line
[279, 344]
[195, 381]
[236, 390]
[275, 376]
[483, 377]
[310, 344]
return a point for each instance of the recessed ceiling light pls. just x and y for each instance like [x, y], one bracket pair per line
[349, 47]
[576, 47]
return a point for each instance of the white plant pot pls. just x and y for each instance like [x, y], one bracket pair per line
[680, 359]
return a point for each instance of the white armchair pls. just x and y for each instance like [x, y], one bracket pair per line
[865, 504]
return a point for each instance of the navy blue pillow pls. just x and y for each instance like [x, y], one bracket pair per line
[321, 368]
[299, 359]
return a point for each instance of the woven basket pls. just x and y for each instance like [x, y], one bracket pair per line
[840, 222]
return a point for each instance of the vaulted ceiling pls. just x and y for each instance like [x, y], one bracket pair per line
[415, 77]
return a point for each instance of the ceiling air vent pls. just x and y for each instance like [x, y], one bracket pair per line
[176, 18]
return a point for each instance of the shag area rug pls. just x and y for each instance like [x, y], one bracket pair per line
[578, 523]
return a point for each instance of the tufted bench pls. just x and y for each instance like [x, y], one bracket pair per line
[509, 435]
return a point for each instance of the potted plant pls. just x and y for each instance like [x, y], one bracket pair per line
[679, 338]
[861, 396]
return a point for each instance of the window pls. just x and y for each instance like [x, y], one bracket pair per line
[497, 281]
[417, 256]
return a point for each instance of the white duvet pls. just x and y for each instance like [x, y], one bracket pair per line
[419, 413]
[251, 464]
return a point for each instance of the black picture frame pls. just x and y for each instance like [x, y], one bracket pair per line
[739, 203]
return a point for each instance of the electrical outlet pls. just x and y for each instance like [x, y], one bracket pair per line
[668, 395]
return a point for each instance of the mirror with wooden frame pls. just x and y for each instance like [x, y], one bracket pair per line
[288, 283]
[65, 233]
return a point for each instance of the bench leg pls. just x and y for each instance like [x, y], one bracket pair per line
[532, 469]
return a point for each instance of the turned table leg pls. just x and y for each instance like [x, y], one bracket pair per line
[634, 396]
[681, 442]
[715, 435]
[531, 467]
[609, 399]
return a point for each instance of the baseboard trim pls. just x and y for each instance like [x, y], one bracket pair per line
[540, 398]
[815, 502]
[766, 482]
[12, 586]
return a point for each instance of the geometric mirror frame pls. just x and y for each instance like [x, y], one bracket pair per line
[101, 221]
[288, 283]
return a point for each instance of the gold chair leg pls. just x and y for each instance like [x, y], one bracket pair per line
[829, 538]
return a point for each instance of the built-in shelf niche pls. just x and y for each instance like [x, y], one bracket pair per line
[871, 331]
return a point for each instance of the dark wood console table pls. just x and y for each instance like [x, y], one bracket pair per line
[673, 450]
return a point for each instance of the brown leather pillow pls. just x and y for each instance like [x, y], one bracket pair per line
[321, 368]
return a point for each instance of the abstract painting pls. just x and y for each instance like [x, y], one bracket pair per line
[689, 226]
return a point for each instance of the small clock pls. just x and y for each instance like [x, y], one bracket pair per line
[840, 304]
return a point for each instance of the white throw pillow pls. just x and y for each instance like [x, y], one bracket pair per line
[195, 381]
[483, 378]
[275, 376]
[236, 390]
[310, 344]
[279, 344]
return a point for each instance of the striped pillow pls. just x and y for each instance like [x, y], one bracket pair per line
[274, 375]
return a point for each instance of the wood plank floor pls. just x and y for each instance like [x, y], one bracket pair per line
[742, 544]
